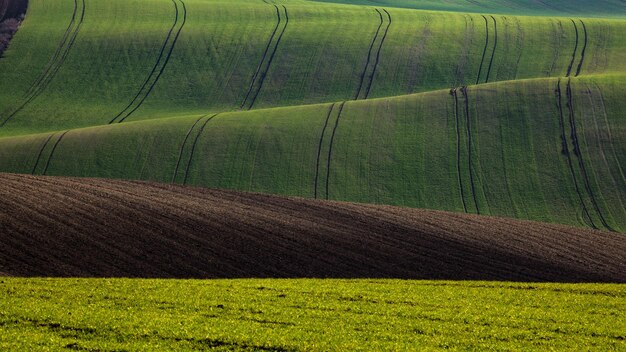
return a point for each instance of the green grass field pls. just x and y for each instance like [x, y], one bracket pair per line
[291, 315]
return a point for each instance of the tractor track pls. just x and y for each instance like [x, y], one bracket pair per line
[495, 46]
[369, 56]
[267, 49]
[167, 60]
[380, 47]
[454, 94]
[193, 147]
[154, 69]
[43, 146]
[571, 64]
[582, 55]
[565, 151]
[182, 147]
[54, 148]
[319, 149]
[482, 60]
[52, 72]
[270, 60]
[330, 148]
[469, 147]
[578, 153]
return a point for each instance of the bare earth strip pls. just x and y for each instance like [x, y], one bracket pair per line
[53, 226]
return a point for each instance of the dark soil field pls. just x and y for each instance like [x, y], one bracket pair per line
[54, 226]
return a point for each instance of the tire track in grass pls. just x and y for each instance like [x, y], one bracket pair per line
[565, 151]
[43, 146]
[582, 55]
[194, 145]
[380, 47]
[464, 90]
[56, 54]
[268, 65]
[166, 61]
[571, 64]
[267, 49]
[319, 149]
[182, 147]
[482, 60]
[454, 94]
[54, 148]
[52, 72]
[330, 148]
[578, 154]
[154, 69]
[495, 46]
[369, 56]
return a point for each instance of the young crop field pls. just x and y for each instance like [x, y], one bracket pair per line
[294, 315]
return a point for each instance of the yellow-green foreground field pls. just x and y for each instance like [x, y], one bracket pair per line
[286, 315]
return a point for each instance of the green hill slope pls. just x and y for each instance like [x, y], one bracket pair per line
[346, 102]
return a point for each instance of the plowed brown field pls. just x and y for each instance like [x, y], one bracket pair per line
[53, 226]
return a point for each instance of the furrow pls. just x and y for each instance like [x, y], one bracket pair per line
[167, 60]
[154, 68]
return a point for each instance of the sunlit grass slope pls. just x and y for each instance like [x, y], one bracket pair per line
[544, 149]
[295, 315]
[144, 59]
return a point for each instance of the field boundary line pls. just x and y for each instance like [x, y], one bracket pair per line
[182, 147]
[271, 59]
[54, 148]
[267, 49]
[167, 60]
[468, 118]
[319, 149]
[579, 155]
[50, 75]
[43, 146]
[453, 92]
[565, 151]
[482, 61]
[369, 55]
[571, 64]
[582, 55]
[495, 46]
[154, 69]
[193, 147]
[330, 148]
[380, 48]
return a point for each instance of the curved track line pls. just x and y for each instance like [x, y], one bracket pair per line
[495, 46]
[182, 147]
[380, 47]
[167, 60]
[56, 54]
[154, 69]
[54, 148]
[330, 149]
[571, 64]
[50, 76]
[267, 49]
[582, 56]
[319, 149]
[41, 152]
[369, 56]
[193, 147]
[469, 147]
[269, 63]
[565, 151]
[578, 153]
[453, 92]
[482, 61]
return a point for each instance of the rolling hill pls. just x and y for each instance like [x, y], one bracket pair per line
[491, 114]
